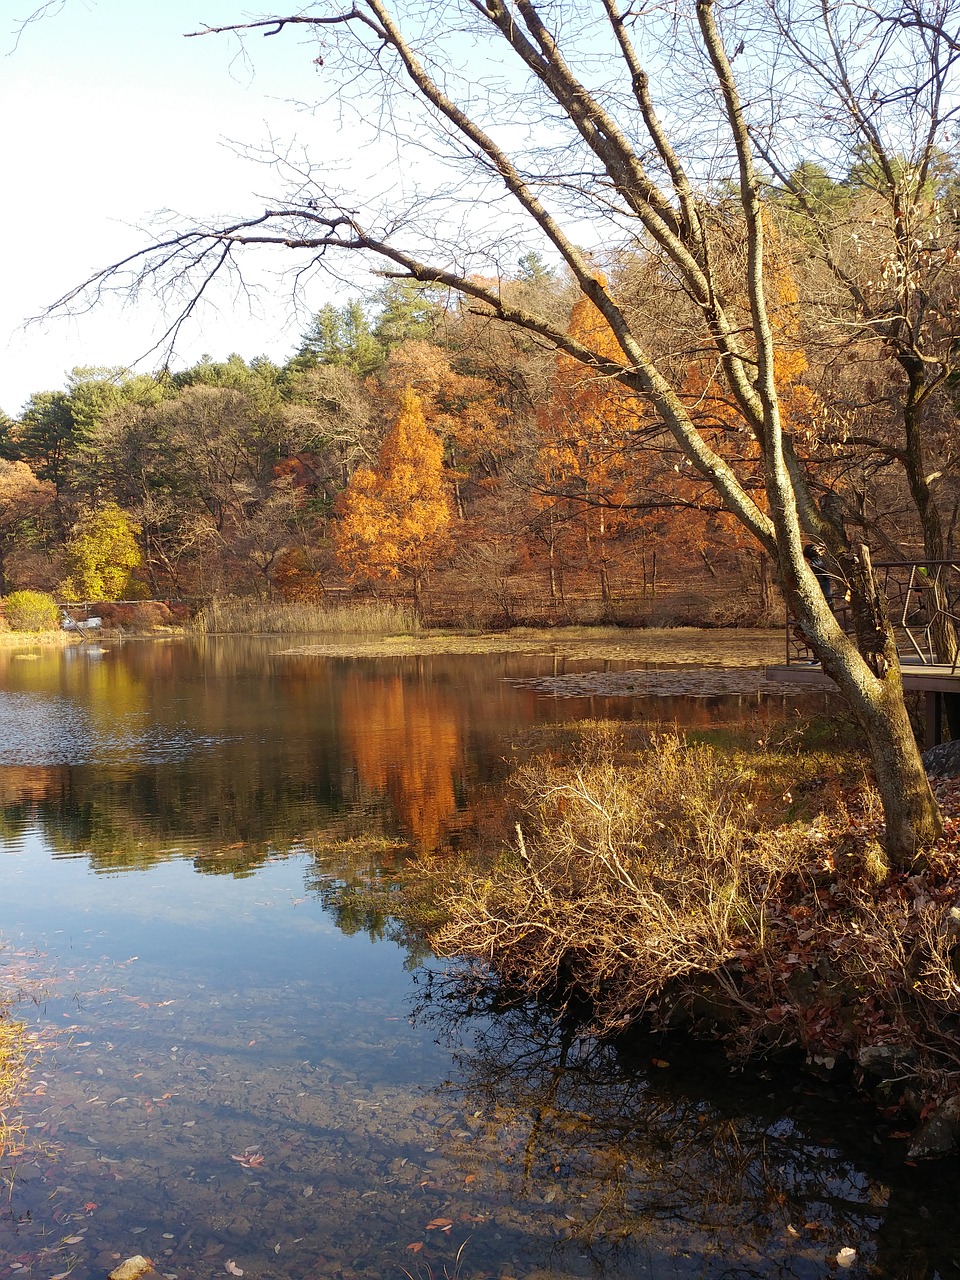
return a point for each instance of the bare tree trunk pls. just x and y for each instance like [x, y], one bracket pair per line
[867, 672]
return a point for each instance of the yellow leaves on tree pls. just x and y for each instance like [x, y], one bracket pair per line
[102, 553]
[585, 432]
[394, 519]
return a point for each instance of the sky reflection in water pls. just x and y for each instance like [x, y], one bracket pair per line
[239, 1079]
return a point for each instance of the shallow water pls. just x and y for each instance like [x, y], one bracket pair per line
[247, 1071]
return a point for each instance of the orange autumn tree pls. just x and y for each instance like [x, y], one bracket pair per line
[394, 518]
[586, 481]
[462, 408]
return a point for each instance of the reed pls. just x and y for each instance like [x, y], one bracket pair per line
[247, 616]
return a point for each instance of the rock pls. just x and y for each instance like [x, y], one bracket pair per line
[132, 1268]
[943, 760]
[940, 1132]
[885, 1060]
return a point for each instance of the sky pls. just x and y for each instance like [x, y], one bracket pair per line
[111, 115]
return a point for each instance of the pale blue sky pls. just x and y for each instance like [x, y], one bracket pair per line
[110, 115]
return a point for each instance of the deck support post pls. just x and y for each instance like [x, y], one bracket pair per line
[932, 719]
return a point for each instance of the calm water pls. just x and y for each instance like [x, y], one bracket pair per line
[248, 1071]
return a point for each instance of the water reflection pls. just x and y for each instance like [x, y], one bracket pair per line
[649, 1150]
[228, 752]
[239, 1077]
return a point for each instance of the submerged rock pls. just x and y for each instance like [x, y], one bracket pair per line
[133, 1268]
[940, 1132]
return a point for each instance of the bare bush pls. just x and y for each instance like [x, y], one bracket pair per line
[629, 876]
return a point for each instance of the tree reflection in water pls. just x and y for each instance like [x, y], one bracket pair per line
[633, 1157]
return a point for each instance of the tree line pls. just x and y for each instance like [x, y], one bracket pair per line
[413, 439]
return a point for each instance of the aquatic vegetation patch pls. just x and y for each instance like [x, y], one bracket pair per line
[20, 1049]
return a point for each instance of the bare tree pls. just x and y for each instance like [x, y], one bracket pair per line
[564, 139]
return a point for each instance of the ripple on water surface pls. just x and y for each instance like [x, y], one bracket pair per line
[43, 730]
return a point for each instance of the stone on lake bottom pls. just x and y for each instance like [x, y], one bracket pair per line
[132, 1268]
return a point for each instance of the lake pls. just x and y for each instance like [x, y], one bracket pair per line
[248, 1071]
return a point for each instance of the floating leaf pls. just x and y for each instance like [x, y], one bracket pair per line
[415, 1247]
[440, 1224]
[659, 1062]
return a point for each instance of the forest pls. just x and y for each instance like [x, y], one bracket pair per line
[415, 444]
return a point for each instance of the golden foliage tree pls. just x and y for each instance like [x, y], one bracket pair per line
[588, 480]
[394, 519]
[102, 554]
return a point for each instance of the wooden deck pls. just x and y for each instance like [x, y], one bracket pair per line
[916, 676]
[940, 685]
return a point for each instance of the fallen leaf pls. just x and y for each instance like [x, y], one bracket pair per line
[659, 1062]
[846, 1257]
[441, 1224]
[415, 1247]
[232, 1267]
[471, 1177]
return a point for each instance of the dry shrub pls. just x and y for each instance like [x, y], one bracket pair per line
[147, 614]
[31, 611]
[664, 884]
[626, 876]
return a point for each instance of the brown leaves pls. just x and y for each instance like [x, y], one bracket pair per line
[251, 1158]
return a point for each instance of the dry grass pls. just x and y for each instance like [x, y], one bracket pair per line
[36, 639]
[248, 616]
[626, 877]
